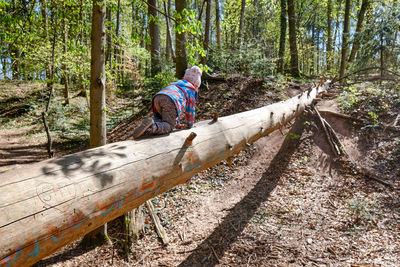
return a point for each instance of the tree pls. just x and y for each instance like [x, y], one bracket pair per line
[345, 45]
[329, 39]
[207, 31]
[180, 40]
[168, 46]
[282, 38]
[97, 99]
[217, 26]
[294, 57]
[241, 25]
[154, 37]
[356, 41]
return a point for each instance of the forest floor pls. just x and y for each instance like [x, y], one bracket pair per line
[284, 201]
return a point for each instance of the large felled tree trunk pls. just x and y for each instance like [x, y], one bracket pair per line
[97, 99]
[50, 204]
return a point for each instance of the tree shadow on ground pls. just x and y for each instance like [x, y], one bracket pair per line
[212, 249]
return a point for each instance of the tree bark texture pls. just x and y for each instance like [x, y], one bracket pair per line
[294, 56]
[356, 42]
[282, 40]
[169, 50]
[154, 38]
[52, 203]
[217, 24]
[97, 98]
[207, 31]
[345, 37]
[241, 24]
[329, 38]
[180, 43]
[65, 67]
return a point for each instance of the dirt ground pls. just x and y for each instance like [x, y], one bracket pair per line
[283, 202]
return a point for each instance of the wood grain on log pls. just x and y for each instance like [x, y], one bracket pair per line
[52, 203]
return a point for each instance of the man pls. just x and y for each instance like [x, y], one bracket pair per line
[170, 103]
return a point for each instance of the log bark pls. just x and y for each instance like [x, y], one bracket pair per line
[52, 203]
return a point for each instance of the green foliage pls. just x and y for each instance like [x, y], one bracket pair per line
[349, 97]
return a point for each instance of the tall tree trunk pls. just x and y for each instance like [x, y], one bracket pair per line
[356, 42]
[217, 26]
[337, 26]
[294, 56]
[241, 24]
[345, 45]
[168, 37]
[312, 54]
[207, 31]
[97, 99]
[180, 43]
[282, 40]
[43, 11]
[329, 39]
[116, 47]
[154, 38]
[109, 37]
[65, 68]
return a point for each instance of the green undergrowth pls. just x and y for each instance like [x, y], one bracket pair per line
[22, 104]
[375, 104]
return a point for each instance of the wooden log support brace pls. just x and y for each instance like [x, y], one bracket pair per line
[47, 205]
[215, 118]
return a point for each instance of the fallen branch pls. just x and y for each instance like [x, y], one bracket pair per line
[338, 148]
[340, 115]
[328, 136]
[159, 228]
[365, 69]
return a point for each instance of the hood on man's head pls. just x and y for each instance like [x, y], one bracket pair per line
[193, 75]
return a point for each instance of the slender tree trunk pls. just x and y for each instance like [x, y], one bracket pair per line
[207, 31]
[201, 10]
[109, 37]
[282, 40]
[154, 38]
[180, 43]
[65, 68]
[241, 25]
[312, 54]
[217, 24]
[294, 56]
[345, 45]
[97, 99]
[329, 39]
[356, 42]
[116, 46]
[337, 25]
